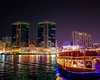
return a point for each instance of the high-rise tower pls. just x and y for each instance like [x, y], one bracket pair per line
[20, 34]
[46, 34]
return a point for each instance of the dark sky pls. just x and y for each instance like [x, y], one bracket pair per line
[69, 15]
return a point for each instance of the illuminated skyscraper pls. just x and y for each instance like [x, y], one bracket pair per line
[20, 34]
[81, 38]
[46, 34]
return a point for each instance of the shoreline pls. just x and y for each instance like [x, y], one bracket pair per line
[26, 53]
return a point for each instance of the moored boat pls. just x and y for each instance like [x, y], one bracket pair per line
[79, 61]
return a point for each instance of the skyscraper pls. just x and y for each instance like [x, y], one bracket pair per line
[81, 38]
[46, 34]
[20, 34]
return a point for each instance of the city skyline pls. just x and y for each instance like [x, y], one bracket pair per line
[68, 15]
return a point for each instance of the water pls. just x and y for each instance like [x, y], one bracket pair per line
[27, 67]
[30, 67]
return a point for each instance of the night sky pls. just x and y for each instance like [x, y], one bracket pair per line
[76, 15]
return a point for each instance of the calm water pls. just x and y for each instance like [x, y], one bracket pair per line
[29, 67]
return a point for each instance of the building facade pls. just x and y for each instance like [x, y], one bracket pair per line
[20, 34]
[46, 34]
[7, 40]
[81, 38]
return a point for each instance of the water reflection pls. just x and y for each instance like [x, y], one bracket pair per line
[29, 67]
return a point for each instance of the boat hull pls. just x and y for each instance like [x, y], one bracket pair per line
[79, 69]
[83, 75]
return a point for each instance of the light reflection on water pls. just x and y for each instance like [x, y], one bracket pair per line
[28, 67]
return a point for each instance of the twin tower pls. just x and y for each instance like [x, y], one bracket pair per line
[46, 34]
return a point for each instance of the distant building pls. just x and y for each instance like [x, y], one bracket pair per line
[81, 38]
[7, 40]
[20, 34]
[2, 46]
[34, 42]
[46, 34]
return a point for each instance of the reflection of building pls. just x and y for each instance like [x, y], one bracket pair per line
[7, 40]
[81, 38]
[16, 59]
[20, 34]
[46, 34]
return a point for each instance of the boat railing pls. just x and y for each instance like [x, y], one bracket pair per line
[92, 57]
[79, 53]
